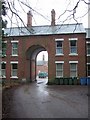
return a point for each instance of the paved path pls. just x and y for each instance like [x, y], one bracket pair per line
[38, 100]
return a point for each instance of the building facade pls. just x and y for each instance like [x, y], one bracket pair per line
[65, 44]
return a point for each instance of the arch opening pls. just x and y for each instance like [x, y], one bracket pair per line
[42, 67]
[31, 64]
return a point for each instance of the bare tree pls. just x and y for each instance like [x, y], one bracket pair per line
[15, 13]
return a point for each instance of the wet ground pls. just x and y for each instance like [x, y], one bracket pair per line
[38, 100]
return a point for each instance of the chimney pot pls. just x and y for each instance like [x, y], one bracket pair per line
[29, 19]
[53, 17]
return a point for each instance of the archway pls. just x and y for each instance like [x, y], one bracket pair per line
[31, 55]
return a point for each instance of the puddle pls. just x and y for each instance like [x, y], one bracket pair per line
[40, 82]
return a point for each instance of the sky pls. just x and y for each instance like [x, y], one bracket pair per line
[42, 13]
[44, 8]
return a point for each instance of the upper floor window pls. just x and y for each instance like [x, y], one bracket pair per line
[14, 48]
[73, 45]
[88, 49]
[59, 46]
[4, 48]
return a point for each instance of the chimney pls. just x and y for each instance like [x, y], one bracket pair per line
[43, 58]
[52, 17]
[29, 19]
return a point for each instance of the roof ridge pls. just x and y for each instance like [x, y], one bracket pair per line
[45, 25]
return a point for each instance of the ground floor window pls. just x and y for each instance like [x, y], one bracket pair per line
[88, 70]
[73, 69]
[3, 69]
[14, 69]
[59, 69]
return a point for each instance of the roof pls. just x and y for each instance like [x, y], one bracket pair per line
[45, 30]
[87, 32]
[41, 63]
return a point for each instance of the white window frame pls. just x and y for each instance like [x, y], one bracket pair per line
[14, 62]
[59, 62]
[87, 42]
[14, 41]
[5, 48]
[1, 75]
[57, 40]
[87, 48]
[74, 62]
[73, 54]
[87, 69]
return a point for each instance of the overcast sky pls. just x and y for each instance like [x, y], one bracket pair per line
[44, 7]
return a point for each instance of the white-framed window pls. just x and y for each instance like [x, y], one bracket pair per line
[59, 46]
[14, 69]
[59, 68]
[73, 46]
[3, 69]
[14, 48]
[88, 49]
[4, 48]
[88, 69]
[73, 68]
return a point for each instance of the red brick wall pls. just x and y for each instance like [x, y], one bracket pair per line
[47, 42]
[42, 68]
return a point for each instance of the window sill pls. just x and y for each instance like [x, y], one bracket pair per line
[59, 76]
[88, 55]
[73, 54]
[14, 77]
[3, 77]
[59, 55]
[14, 55]
[3, 56]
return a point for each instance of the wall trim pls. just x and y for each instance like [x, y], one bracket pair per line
[12, 62]
[59, 62]
[61, 39]
[4, 41]
[14, 77]
[4, 62]
[88, 63]
[73, 39]
[14, 41]
[73, 61]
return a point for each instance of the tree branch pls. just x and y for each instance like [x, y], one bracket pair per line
[18, 17]
[35, 11]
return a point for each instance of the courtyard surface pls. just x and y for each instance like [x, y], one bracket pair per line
[38, 100]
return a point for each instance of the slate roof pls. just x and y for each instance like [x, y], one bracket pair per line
[45, 30]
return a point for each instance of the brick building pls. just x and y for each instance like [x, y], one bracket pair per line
[41, 66]
[65, 45]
